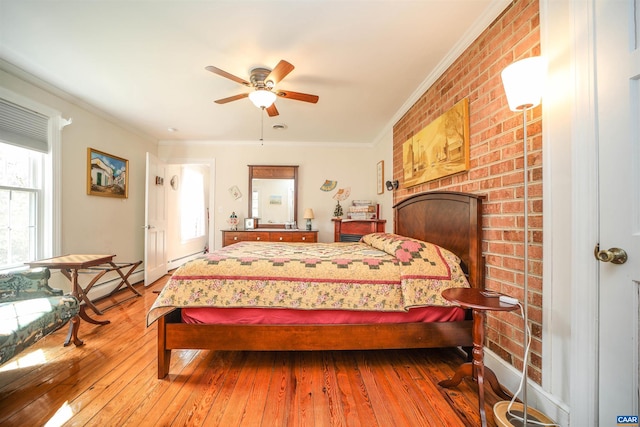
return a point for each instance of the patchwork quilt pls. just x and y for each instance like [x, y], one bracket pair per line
[382, 272]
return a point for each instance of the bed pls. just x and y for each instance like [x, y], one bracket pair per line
[448, 222]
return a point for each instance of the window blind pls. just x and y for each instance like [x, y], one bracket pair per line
[22, 127]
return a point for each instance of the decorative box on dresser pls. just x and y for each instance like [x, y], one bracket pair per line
[351, 230]
[230, 237]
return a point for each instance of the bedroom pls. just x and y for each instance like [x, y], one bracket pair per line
[555, 350]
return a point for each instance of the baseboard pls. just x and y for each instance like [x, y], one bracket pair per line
[537, 397]
[173, 264]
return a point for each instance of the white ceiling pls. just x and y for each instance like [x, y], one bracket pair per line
[143, 61]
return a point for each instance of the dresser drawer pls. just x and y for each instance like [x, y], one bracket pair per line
[294, 236]
[231, 237]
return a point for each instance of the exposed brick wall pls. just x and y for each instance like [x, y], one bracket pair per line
[496, 168]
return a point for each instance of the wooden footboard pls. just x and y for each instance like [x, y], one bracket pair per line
[173, 335]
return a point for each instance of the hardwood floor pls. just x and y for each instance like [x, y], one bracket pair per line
[111, 381]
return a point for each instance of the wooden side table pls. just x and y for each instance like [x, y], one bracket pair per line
[70, 265]
[473, 299]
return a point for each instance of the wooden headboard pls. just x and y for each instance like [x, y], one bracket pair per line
[448, 219]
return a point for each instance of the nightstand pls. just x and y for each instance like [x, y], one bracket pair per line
[473, 299]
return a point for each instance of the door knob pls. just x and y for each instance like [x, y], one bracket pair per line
[613, 255]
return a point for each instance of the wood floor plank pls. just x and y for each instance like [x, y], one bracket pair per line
[94, 401]
[360, 401]
[405, 409]
[436, 411]
[178, 408]
[111, 380]
[124, 397]
[163, 393]
[369, 368]
[280, 390]
[236, 407]
[82, 373]
[463, 399]
[319, 400]
[257, 395]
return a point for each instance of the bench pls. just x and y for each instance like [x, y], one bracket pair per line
[30, 310]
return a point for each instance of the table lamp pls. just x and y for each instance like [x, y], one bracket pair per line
[308, 215]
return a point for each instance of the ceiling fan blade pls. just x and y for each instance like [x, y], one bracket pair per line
[280, 72]
[231, 98]
[272, 110]
[298, 96]
[223, 73]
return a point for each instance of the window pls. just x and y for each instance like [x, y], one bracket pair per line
[29, 177]
[20, 196]
[255, 203]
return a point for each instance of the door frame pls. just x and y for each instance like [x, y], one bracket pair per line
[585, 219]
[585, 287]
[570, 203]
[211, 163]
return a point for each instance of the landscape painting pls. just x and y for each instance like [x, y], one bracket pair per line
[440, 149]
[107, 175]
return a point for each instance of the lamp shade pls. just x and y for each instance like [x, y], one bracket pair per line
[523, 82]
[308, 214]
[262, 98]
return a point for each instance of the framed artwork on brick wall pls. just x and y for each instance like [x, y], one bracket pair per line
[440, 149]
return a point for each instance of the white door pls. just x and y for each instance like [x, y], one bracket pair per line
[155, 236]
[618, 95]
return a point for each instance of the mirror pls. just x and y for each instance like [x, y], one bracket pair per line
[273, 195]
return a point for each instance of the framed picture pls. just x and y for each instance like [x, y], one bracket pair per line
[380, 177]
[107, 175]
[440, 149]
[275, 200]
[235, 192]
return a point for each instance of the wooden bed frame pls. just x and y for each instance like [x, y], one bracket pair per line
[448, 219]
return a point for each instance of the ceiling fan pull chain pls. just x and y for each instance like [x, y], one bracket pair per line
[262, 125]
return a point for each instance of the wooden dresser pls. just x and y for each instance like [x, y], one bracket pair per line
[230, 237]
[351, 230]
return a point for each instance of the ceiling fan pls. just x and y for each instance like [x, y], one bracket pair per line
[263, 81]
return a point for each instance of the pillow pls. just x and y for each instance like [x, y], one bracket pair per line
[425, 269]
[415, 253]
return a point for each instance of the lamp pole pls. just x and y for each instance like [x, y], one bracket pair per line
[523, 82]
[525, 282]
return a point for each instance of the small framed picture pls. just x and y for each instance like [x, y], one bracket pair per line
[380, 177]
[249, 223]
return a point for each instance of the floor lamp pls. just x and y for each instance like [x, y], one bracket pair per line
[523, 84]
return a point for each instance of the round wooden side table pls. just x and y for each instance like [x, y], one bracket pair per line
[479, 303]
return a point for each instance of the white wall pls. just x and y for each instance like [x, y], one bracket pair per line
[92, 224]
[352, 166]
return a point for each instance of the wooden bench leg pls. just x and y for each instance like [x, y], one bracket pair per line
[74, 327]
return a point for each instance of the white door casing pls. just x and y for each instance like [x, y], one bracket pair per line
[155, 236]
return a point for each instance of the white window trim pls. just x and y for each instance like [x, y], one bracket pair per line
[51, 235]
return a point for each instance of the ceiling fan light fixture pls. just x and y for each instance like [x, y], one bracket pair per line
[262, 98]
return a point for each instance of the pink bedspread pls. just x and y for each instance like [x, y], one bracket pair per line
[278, 316]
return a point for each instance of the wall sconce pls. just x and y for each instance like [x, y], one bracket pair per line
[392, 185]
